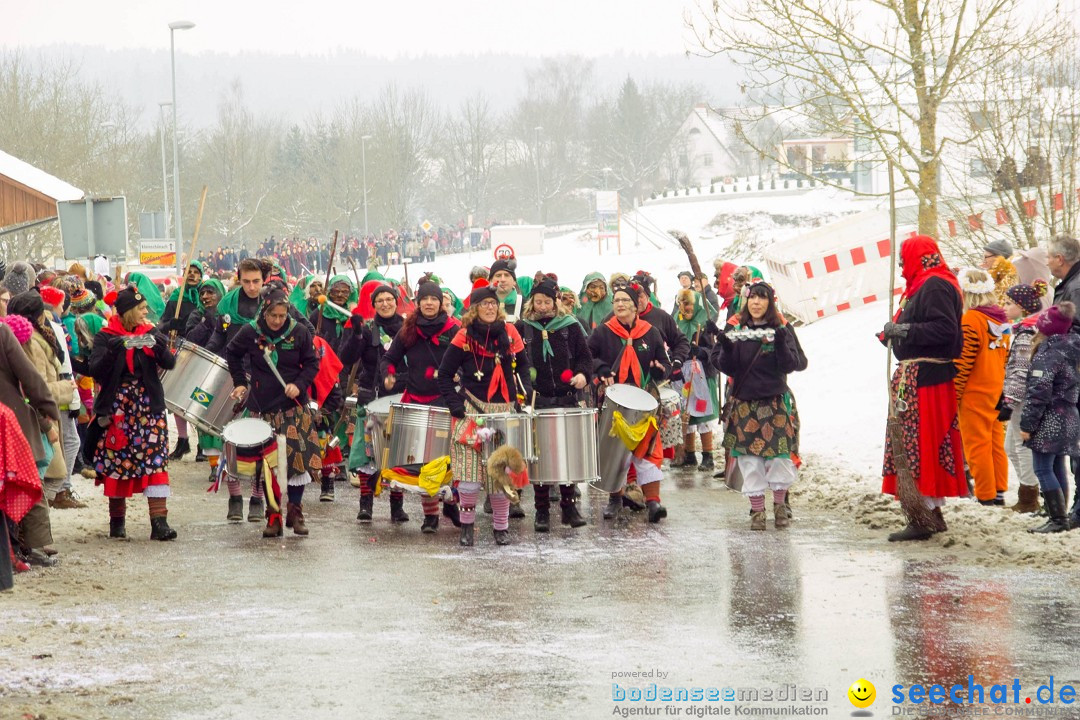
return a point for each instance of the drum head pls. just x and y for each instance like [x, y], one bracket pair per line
[669, 395]
[381, 406]
[247, 431]
[631, 398]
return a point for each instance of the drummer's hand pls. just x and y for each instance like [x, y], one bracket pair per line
[292, 392]
[388, 382]
[238, 392]
[578, 382]
[608, 380]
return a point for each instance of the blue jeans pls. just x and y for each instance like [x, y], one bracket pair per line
[1050, 469]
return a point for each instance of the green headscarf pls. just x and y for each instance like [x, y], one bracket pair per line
[459, 307]
[354, 295]
[150, 292]
[191, 294]
[372, 275]
[213, 283]
[592, 314]
[298, 295]
[690, 328]
[737, 301]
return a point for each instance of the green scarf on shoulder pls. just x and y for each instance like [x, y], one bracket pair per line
[228, 309]
[272, 341]
[151, 294]
[191, 294]
[556, 323]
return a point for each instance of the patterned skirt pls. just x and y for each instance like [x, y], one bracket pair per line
[766, 428]
[133, 452]
[303, 451]
[467, 462]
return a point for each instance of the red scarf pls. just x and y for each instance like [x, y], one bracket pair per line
[922, 260]
[628, 360]
[115, 326]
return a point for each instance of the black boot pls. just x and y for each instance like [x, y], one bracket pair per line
[542, 523]
[431, 524]
[706, 462]
[364, 515]
[911, 532]
[327, 494]
[199, 455]
[487, 504]
[615, 503]
[689, 461]
[657, 512]
[117, 527]
[450, 510]
[182, 448]
[502, 537]
[256, 510]
[160, 530]
[1055, 508]
[397, 510]
[570, 514]
[466, 539]
[516, 511]
[236, 509]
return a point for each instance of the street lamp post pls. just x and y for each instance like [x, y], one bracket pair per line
[178, 224]
[539, 202]
[606, 171]
[363, 162]
[164, 165]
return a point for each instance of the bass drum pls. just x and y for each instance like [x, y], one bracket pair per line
[613, 459]
[565, 446]
[417, 434]
[198, 389]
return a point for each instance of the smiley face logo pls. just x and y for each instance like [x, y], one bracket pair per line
[862, 693]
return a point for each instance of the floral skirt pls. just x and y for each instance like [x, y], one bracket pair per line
[133, 452]
[303, 451]
[767, 428]
[467, 461]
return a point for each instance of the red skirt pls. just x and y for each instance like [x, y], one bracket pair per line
[932, 442]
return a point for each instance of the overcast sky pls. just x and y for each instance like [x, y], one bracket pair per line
[388, 28]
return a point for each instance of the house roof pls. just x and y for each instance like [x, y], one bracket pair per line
[37, 180]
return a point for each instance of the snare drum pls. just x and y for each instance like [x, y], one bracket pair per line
[565, 446]
[513, 429]
[671, 433]
[378, 412]
[247, 441]
[613, 459]
[417, 434]
[198, 389]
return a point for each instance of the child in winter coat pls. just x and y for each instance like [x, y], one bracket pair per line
[1022, 305]
[980, 376]
[1050, 424]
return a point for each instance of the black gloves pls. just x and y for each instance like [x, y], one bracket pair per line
[895, 330]
[725, 342]
[458, 412]
[676, 370]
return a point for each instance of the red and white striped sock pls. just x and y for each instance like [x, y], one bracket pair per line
[467, 499]
[757, 503]
[500, 509]
[779, 496]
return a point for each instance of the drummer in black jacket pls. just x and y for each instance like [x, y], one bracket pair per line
[281, 356]
[627, 349]
[561, 368]
[416, 353]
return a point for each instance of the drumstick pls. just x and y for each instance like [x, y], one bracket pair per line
[326, 284]
[191, 257]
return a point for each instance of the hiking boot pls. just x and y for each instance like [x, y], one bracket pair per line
[273, 527]
[707, 463]
[571, 516]
[66, 500]
[450, 510]
[466, 539]
[364, 515]
[430, 525]
[117, 527]
[40, 558]
[542, 522]
[327, 494]
[256, 510]
[516, 511]
[689, 461]
[397, 509]
[183, 447]
[781, 519]
[657, 512]
[295, 519]
[911, 532]
[236, 509]
[160, 530]
[1027, 500]
[615, 503]
[757, 520]
[502, 537]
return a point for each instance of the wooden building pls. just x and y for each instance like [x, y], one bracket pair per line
[28, 195]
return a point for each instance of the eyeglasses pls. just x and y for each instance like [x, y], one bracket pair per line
[488, 304]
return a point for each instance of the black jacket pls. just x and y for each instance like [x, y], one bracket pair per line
[763, 377]
[200, 326]
[471, 356]
[297, 364]
[933, 313]
[571, 349]
[169, 322]
[225, 332]
[1069, 289]
[607, 347]
[678, 347]
[380, 336]
[108, 365]
[420, 361]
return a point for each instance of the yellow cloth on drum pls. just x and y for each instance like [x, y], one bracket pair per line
[631, 435]
[433, 475]
[247, 467]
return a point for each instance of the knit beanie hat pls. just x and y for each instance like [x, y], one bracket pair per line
[481, 291]
[999, 247]
[20, 326]
[128, 298]
[546, 287]
[386, 289]
[507, 265]
[1056, 319]
[428, 289]
[53, 296]
[1029, 297]
[634, 291]
[20, 277]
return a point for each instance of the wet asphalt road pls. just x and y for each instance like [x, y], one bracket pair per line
[381, 621]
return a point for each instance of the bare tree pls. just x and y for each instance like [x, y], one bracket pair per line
[403, 131]
[877, 70]
[467, 152]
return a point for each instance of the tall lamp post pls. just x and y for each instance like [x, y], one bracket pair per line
[539, 202]
[363, 162]
[164, 166]
[178, 224]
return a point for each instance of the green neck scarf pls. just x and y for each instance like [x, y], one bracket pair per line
[556, 323]
[332, 313]
[691, 327]
[191, 293]
[271, 341]
[298, 295]
[228, 309]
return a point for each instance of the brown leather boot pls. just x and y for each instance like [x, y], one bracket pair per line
[66, 500]
[1027, 500]
[295, 515]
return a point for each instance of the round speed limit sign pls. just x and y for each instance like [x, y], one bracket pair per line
[504, 252]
